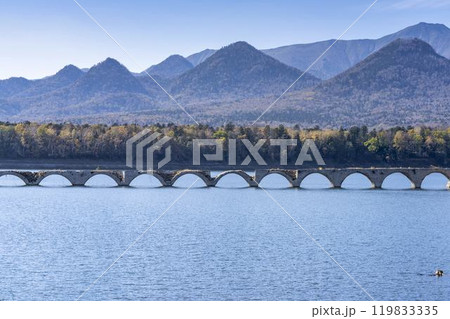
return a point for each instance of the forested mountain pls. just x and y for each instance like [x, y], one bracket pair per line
[108, 76]
[405, 67]
[404, 82]
[236, 71]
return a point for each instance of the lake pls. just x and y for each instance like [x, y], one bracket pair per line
[231, 242]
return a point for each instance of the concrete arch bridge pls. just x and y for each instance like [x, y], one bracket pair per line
[336, 176]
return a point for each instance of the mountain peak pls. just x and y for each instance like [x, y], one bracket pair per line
[109, 63]
[175, 57]
[69, 71]
[109, 76]
[110, 67]
[431, 25]
[171, 67]
[404, 65]
[241, 52]
[241, 46]
[70, 67]
[409, 45]
[239, 71]
[407, 53]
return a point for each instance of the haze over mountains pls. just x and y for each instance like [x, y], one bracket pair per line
[400, 79]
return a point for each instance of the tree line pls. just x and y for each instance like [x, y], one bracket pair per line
[351, 146]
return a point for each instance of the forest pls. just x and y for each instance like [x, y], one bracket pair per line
[407, 146]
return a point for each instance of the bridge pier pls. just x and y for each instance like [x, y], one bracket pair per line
[78, 178]
[377, 184]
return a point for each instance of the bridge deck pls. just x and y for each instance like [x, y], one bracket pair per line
[336, 176]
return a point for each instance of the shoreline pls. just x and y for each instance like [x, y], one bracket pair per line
[53, 164]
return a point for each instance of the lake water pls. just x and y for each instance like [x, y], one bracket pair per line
[226, 243]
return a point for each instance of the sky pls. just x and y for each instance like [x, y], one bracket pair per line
[38, 38]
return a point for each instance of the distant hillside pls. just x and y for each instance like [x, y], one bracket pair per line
[66, 76]
[345, 54]
[236, 71]
[404, 83]
[408, 67]
[108, 76]
[14, 85]
[107, 86]
[171, 67]
[21, 87]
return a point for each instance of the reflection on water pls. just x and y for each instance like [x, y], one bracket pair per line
[224, 243]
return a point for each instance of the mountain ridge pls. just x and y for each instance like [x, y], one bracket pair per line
[346, 53]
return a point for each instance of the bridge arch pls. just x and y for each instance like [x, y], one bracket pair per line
[109, 175]
[156, 176]
[364, 175]
[302, 178]
[247, 178]
[46, 175]
[398, 173]
[23, 178]
[290, 179]
[444, 172]
[205, 177]
[436, 175]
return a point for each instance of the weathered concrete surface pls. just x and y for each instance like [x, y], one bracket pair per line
[336, 176]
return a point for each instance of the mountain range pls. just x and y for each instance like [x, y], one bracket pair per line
[404, 83]
[400, 79]
[346, 53]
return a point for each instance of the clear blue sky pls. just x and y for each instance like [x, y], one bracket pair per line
[38, 38]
